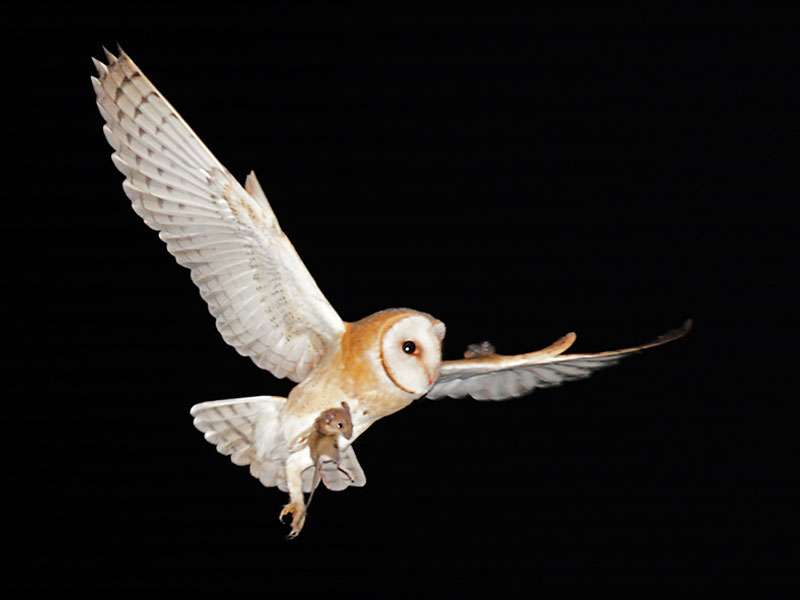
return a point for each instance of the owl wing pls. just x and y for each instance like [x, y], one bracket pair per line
[497, 377]
[265, 302]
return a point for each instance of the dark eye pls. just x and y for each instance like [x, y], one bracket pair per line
[339, 425]
[409, 347]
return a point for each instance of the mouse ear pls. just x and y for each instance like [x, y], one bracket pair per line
[345, 406]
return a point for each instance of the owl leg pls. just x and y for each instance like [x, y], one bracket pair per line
[294, 481]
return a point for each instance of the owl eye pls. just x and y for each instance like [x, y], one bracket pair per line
[409, 347]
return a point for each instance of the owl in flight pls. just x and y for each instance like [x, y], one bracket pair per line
[268, 307]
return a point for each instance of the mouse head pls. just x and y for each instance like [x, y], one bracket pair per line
[335, 421]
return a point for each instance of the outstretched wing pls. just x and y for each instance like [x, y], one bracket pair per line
[265, 302]
[497, 377]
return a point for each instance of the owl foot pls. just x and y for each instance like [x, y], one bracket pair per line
[298, 512]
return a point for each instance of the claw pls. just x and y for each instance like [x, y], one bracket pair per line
[298, 518]
[286, 510]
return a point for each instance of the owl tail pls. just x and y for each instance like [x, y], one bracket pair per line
[248, 430]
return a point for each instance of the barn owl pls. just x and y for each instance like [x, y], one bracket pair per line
[268, 307]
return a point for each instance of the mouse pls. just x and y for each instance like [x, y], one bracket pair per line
[323, 440]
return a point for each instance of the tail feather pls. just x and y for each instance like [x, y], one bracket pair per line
[246, 429]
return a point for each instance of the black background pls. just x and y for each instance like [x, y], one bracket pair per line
[516, 176]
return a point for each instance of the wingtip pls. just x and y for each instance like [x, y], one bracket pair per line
[101, 69]
[675, 334]
[98, 87]
[109, 57]
[681, 331]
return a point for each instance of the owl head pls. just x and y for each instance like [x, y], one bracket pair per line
[404, 346]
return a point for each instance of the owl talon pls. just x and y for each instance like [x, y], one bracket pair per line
[298, 513]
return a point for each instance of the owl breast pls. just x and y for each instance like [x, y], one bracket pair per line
[355, 371]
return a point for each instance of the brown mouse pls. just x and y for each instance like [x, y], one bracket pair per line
[323, 440]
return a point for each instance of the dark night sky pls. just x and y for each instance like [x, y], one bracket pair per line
[516, 177]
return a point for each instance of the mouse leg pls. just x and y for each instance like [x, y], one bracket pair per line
[295, 465]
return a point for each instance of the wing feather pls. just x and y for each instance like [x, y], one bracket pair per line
[498, 377]
[265, 302]
[247, 430]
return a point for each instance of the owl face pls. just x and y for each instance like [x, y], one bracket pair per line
[411, 352]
